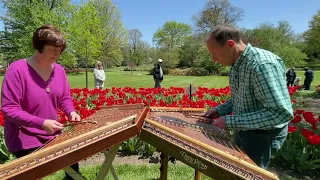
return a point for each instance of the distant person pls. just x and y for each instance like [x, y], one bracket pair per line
[291, 76]
[99, 75]
[158, 74]
[297, 81]
[308, 78]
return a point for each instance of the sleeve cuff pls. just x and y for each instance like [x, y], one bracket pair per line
[230, 122]
[70, 110]
[220, 110]
[38, 122]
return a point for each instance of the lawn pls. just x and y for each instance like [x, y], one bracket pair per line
[137, 172]
[142, 79]
[143, 172]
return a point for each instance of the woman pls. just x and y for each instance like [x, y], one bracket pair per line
[32, 91]
[99, 75]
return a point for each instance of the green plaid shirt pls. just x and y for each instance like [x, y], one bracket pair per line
[259, 95]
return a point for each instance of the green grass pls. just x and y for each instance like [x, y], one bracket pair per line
[142, 172]
[142, 79]
[136, 172]
[117, 78]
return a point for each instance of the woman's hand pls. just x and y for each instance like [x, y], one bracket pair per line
[74, 116]
[51, 126]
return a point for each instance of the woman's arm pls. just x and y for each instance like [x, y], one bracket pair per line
[11, 96]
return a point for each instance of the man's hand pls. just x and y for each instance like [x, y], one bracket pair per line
[51, 126]
[220, 122]
[74, 116]
[211, 113]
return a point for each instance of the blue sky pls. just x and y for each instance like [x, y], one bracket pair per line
[149, 15]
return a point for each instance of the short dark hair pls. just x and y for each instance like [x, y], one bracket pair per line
[48, 35]
[223, 33]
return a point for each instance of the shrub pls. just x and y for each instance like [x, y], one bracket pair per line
[135, 146]
[144, 67]
[196, 72]
[189, 72]
[224, 72]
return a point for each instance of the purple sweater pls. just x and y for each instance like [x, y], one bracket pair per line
[26, 104]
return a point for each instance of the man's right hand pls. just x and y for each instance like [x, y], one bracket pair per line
[211, 113]
[51, 126]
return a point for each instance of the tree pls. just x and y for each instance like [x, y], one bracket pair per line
[134, 39]
[171, 36]
[278, 39]
[114, 35]
[217, 12]
[312, 36]
[87, 34]
[21, 18]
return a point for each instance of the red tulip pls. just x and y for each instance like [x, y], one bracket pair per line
[296, 119]
[292, 129]
[314, 139]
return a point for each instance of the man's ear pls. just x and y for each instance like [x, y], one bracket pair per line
[230, 43]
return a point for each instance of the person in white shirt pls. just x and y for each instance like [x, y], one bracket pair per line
[99, 75]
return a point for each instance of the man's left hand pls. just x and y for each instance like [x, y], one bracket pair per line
[220, 122]
[74, 116]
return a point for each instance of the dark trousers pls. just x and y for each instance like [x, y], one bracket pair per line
[157, 83]
[28, 151]
[307, 83]
[261, 145]
[290, 83]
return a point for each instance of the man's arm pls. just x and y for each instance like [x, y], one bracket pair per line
[225, 108]
[271, 91]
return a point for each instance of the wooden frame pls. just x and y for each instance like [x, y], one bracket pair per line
[49, 160]
[203, 163]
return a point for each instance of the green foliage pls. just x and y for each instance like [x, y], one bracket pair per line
[279, 40]
[5, 156]
[94, 30]
[87, 33]
[189, 72]
[169, 37]
[21, 20]
[68, 59]
[144, 67]
[135, 146]
[313, 34]
[114, 35]
[298, 153]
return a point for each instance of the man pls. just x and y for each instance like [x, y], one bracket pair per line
[309, 78]
[291, 76]
[158, 74]
[260, 101]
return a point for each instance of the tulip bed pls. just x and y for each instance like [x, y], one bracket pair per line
[301, 150]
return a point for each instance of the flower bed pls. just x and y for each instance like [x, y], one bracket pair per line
[300, 150]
